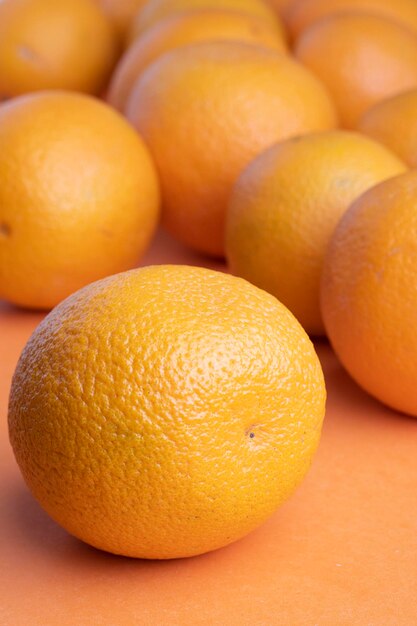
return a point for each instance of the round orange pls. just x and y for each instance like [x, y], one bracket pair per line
[285, 206]
[166, 411]
[79, 196]
[205, 111]
[393, 122]
[46, 44]
[362, 59]
[122, 13]
[369, 296]
[156, 10]
[183, 29]
[303, 13]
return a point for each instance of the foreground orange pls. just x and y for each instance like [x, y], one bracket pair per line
[362, 59]
[186, 28]
[205, 111]
[369, 296]
[302, 13]
[45, 44]
[393, 122]
[167, 411]
[156, 10]
[79, 196]
[285, 206]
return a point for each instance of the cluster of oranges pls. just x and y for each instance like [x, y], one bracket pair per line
[167, 411]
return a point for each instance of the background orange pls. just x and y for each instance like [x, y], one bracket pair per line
[341, 552]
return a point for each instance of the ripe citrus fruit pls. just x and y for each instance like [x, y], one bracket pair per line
[187, 28]
[155, 10]
[285, 206]
[205, 111]
[393, 122]
[78, 196]
[302, 13]
[45, 44]
[362, 59]
[369, 296]
[122, 13]
[166, 411]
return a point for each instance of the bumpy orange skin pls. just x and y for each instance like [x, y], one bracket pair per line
[369, 299]
[156, 10]
[167, 411]
[187, 28]
[285, 206]
[362, 59]
[303, 13]
[79, 196]
[205, 111]
[393, 122]
[122, 13]
[46, 44]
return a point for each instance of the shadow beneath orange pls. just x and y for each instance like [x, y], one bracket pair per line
[10, 312]
[39, 535]
[344, 392]
[165, 249]
[35, 527]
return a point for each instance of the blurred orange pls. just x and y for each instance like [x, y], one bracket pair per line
[369, 295]
[79, 196]
[155, 10]
[186, 28]
[362, 59]
[285, 206]
[302, 13]
[44, 44]
[205, 111]
[393, 122]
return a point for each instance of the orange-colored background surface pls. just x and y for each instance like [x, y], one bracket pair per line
[341, 552]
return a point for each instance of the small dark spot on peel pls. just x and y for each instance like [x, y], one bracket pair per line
[250, 432]
[5, 230]
[27, 53]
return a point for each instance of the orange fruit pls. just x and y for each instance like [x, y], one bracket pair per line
[187, 28]
[122, 13]
[284, 208]
[156, 10]
[246, 25]
[205, 111]
[362, 59]
[185, 406]
[46, 44]
[303, 13]
[393, 122]
[78, 196]
[369, 299]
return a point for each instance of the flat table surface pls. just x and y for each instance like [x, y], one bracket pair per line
[341, 552]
